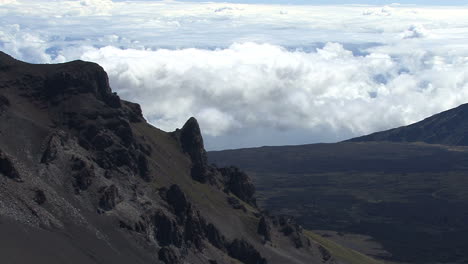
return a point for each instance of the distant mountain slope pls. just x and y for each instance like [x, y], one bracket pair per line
[85, 179]
[448, 128]
[387, 157]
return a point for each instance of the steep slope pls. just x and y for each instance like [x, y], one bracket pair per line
[448, 128]
[85, 179]
[412, 198]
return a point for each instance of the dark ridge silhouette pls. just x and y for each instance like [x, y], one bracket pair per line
[448, 128]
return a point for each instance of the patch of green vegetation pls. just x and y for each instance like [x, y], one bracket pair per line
[344, 254]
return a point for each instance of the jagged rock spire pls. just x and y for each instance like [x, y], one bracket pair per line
[191, 141]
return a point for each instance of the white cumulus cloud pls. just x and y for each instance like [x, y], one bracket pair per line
[415, 31]
[248, 85]
[7, 2]
[97, 6]
[257, 74]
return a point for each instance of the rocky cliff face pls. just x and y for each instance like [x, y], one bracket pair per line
[84, 179]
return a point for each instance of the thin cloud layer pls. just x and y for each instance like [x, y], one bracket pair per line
[257, 74]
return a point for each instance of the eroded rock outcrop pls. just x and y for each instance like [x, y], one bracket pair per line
[239, 183]
[264, 228]
[235, 203]
[288, 226]
[167, 231]
[168, 256]
[245, 252]
[194, 229]
[191, 142]
[109, 197]
[177, 199]
[7, 167]
[56, 141]
[215, 237]
[326, 256]
[90, 79]
[40, 197]
[83, 173]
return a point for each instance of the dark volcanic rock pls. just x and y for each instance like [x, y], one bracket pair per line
[143, 167]
[235, 203]
[239, 183]
[124, 225]
[39, 197]
[100, 141]
[123, 130]
[4, 103]
[288, 226]
[176, 198]
[166, 231]
[168, 256]
[56, 141]
[325, 253]
[120, 157]
[134, 114]
[264, 228]
[193, 229]
[90, 79]
[191, 141]
[83, 174]
[246, 253]
[7, 168]
[215, 237]
[109, 198]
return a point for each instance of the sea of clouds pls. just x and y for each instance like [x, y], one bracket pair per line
[257, 74]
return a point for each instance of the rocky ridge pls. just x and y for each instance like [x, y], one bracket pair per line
[447, 128]
[85, 173]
